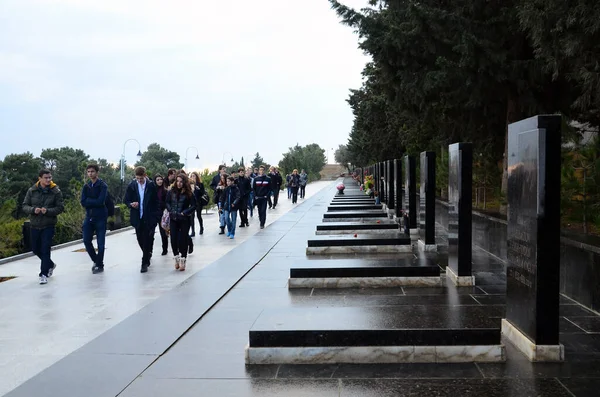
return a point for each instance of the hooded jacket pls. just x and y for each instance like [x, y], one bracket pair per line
[230, 198]
[49, 198]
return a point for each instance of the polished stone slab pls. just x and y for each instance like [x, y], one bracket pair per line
[410, 325]
[340, 268]
[364, 282]
[393, 238]
[357, 207]
[372, 225]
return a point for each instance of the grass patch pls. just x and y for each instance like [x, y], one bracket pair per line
[3, 279]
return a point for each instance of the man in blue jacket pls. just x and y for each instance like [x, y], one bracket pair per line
[93, 199]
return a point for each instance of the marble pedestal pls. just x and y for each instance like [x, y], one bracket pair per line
[459, 281]
[358, 249]
[374, 354]
[538, 353]
[427, 247]
[364, 282]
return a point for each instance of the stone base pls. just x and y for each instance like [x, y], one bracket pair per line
[361, 231]
[374, 354]
[391, 213]
[360, 249]
[549, 353]
[414, 232]
[459, 281]
[364, 282]
[427, 247]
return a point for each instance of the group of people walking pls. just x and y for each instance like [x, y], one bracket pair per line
[171, 203]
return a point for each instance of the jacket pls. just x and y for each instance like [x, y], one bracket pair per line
[162, 193]
[276, 180]
[303, 179]
[93, 199]
[230, 198]
[262, 186]
[294, 180]
[178, 204]
[151, 207]
[49, 198]
[218, 193]
[215, 181]
[244, 185]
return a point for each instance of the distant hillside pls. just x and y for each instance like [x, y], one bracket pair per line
[332, 171]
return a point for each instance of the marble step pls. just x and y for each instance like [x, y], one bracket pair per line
[356, 214]
[412, 333]
[354, 207]
[365, 274]
[357, 227]
[362, 243]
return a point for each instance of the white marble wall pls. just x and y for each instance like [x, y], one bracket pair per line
[375, 354]
[459, 281]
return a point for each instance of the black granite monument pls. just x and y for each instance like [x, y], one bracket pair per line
[533, 242]
[427, 199]
[398, 182]
[382, 182]
[391, 184]
[410, 190]
[460, 184]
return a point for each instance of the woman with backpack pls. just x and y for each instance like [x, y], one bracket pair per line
[181, 205]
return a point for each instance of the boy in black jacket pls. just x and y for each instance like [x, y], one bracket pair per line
[243, 183]
[230, 201]
[262, 188]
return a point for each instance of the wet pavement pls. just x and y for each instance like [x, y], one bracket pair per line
[190, 340]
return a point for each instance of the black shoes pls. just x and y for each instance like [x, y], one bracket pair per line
[97, 269]
[201, 230]
[193, 235]
[247, 224]
[165, 252]
[262, 226]
[144, 268]
[222, 230]
[242, 225]
[190, 249]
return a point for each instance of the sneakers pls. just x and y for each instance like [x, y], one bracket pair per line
[228, 234]
[43, 279]
[182, 264]
[177, 259]
[231, 236]
[97, 269]
[51, 270]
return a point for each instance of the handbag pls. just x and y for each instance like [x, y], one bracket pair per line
[204, 199]
[165, 221]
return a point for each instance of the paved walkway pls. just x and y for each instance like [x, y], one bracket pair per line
[42, 324]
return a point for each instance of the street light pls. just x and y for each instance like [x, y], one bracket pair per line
[139, 154]
[186, 156]
[223, 158]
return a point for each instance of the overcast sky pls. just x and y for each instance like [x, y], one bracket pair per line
[234, 76]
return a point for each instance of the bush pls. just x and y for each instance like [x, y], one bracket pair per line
[68, 227]
[11, 236]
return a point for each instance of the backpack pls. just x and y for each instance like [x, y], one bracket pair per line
[110, 204]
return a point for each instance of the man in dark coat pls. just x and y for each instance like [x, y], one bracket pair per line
[144, 213]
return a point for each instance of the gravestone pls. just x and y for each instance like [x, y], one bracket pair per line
[382, 182]
[427, 203]
[533, 237]
[391, 185]
[460, 183]
[410, 192]
[398, 183]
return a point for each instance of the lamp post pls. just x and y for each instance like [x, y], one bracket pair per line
[186, 156]
[223, 158]
[139, 154]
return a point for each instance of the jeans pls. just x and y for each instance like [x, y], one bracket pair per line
[145, 239]
[41, 241]
[261, 204]
[222, 219]
[289, 189]
[230, 219]
[302, 191]
[243, 210]
[180, 228]
[251, 203]
[89, 227]
[164, 238]
[294, 194]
